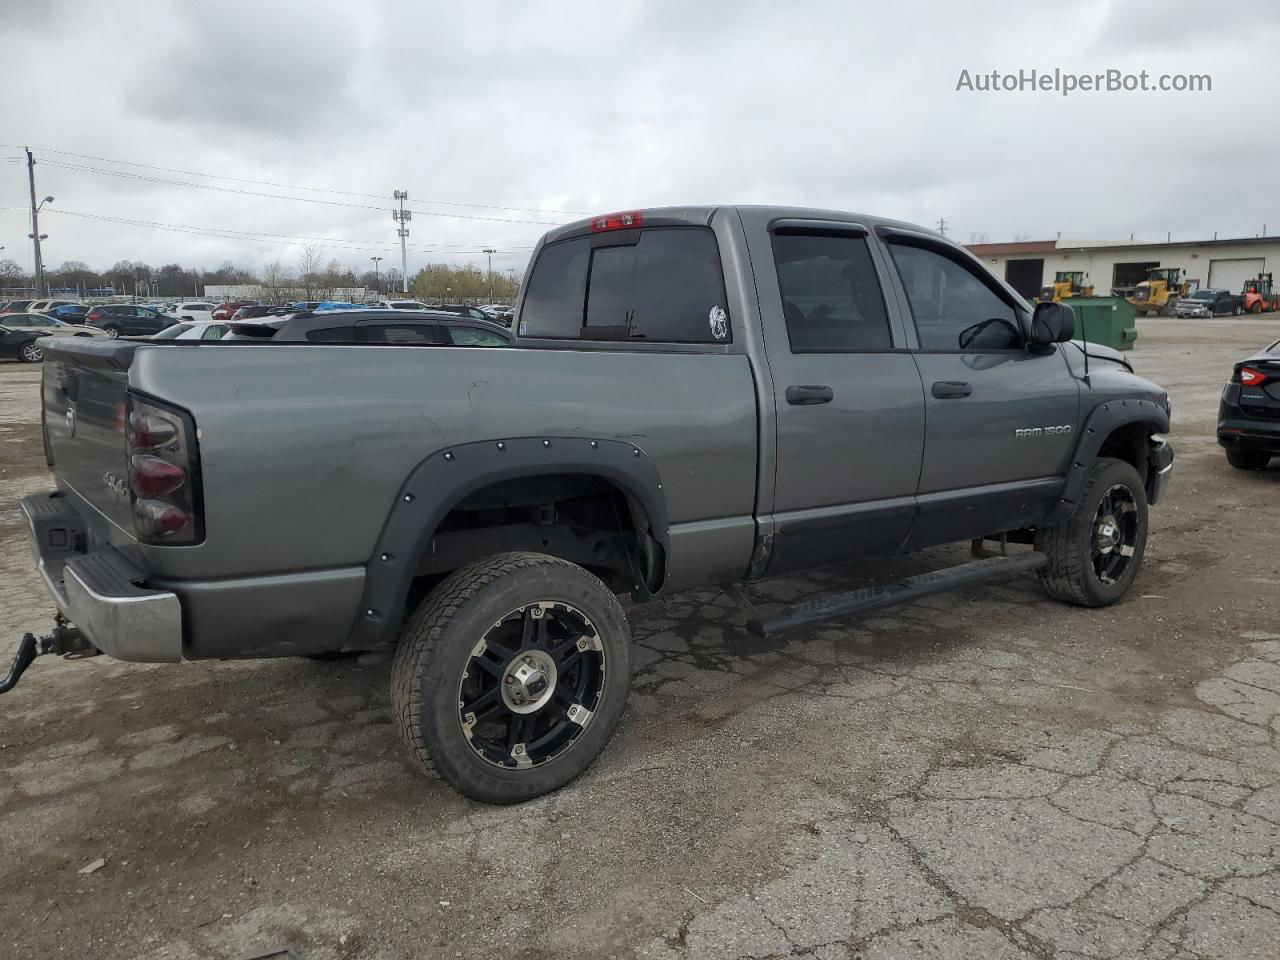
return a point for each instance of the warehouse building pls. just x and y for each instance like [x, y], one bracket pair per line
[1029, 265]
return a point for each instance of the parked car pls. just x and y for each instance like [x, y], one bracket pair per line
[15, 306]
[373, 326]
[1209, 302]
[399, 304]
[1249, 412]
[43, 306]
[194, 310]
[260, 310]
[69, 312]
[54, 326]
[194, 330]
[721, 393]
[306, 304]
[224, 311]
[23, 343]
[462, 310]
[126, 320]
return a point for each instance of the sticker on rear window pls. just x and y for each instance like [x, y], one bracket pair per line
[719, 322]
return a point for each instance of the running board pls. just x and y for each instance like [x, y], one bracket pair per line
[849, 602]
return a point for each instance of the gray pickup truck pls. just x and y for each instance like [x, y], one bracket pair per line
[696, 396]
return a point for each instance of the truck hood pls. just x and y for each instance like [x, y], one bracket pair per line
[1097, 351]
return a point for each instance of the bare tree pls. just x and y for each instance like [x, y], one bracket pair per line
[310, 269]
[275, 282]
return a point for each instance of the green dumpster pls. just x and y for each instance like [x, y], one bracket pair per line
[1105, 320]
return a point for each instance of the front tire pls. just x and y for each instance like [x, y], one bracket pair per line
[1097, 551]
[1247, 459]
[511, 676]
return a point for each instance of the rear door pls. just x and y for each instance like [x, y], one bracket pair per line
[847, 396]
[1000, 419]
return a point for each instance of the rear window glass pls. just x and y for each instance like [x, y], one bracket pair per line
[665, 286]
[831, 297]
[470, 337]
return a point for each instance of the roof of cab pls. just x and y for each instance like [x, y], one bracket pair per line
[703, 215]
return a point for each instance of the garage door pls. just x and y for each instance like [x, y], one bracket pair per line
[1231, 274]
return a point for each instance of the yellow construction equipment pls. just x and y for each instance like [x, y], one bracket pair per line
[1066, 283]
[1160, 292]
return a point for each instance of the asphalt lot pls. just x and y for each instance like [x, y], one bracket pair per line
[985, 774]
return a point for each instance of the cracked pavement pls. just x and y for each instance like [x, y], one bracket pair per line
[982, 774]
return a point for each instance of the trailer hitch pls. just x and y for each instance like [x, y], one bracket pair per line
[65, 641]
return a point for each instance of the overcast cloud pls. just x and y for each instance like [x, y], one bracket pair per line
[590, 106]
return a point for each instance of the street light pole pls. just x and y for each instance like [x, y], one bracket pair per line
[377, 280]
[490, 251]
[36, 236]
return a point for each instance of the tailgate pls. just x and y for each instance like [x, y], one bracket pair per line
[84, 390]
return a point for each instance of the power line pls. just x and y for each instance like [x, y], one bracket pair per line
[290, 186]
[277, 238]
[278, 196]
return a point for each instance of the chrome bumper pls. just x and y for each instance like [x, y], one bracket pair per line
[98, 591]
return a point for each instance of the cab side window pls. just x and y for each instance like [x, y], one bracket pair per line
[830, 294]
[954, 309]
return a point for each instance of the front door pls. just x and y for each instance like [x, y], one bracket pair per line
[1001, 419]
[848, 401]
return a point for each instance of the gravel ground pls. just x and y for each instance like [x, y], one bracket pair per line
[985, 774]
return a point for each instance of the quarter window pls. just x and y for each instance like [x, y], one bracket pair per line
[953, 308]
[830, 294]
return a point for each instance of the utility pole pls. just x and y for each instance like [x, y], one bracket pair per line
[942, 226]
[490, 251]
[377, 281]
[35, 223]
[402, 218]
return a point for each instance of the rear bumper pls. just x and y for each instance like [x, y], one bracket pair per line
[1248, 434]
[99, 591]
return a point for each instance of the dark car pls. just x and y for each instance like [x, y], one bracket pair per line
[69, 313]
[1249, 414]
[127, 320]
[261, 310]
[15, 306]
[21, 342]
[370, 327]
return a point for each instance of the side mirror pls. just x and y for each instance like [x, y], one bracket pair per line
[1052, 323]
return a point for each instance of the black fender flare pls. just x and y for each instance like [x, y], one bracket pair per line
[444, 479]
[1102, 421]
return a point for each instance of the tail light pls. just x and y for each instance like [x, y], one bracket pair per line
[1250, 377]
[618, 221]
[164, 473]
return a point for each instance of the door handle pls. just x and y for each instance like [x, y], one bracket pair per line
[951, 389]
[806, 395]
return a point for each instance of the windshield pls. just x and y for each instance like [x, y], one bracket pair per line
[1203, 295]
[170, 332]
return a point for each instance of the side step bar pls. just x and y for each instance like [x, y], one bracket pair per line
[849, 602]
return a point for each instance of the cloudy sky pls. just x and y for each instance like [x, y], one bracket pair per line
[246, 129]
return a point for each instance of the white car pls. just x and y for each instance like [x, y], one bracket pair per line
[194, 330]
[191, 310]
[398, 305]
[59, 328]
[41, 306]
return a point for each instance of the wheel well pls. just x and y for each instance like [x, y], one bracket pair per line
[1128, 442]
[585, 519]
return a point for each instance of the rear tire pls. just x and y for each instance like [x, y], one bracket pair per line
[1097, 551]
[511, 676]
[1248, 459]
[112, 332]
[30, 353]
